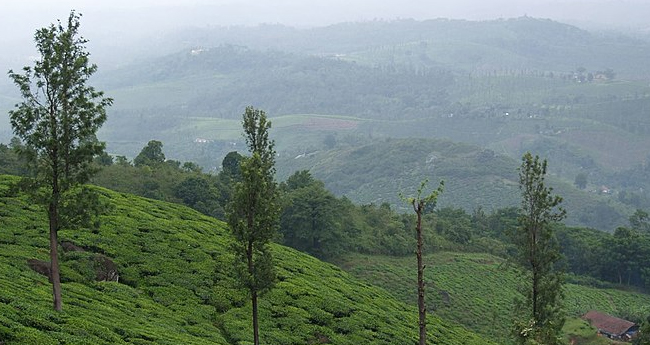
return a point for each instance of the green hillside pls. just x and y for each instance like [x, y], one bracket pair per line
[174, 286]
[378, 170]
[477, 290]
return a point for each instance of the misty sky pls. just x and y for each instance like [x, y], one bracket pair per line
[110, 23]
[115, 27]
[118, 15]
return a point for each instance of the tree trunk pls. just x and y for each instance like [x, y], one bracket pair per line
[422, 311]
[629, 276]
[256, 335]
[249, 256]
[534, 270]
[534, 296]
[54, 256]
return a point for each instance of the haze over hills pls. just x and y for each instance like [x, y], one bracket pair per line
[576, 97]
[370, 109]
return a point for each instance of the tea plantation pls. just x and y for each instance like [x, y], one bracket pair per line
[175, 287]
[478, 290]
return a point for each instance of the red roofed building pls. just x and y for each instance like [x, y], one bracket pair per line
[611, 326]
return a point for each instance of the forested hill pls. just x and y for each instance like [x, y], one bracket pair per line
[512, 84]
[175, 288]
[220, 81]
[377, 171]
[525, 43]
[284, 70]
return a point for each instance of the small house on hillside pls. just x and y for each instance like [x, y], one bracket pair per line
[611, 326]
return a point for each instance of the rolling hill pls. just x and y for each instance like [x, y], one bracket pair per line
[412, 75]
[523, 42]
[175, 287]
[378, 170]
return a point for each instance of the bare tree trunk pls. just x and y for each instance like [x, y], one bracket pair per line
[54, 257]
[422, 311]
[535, 271]
[256, 334]
[535, 295]
[418, 204]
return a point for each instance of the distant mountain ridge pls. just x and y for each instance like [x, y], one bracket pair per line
[532, 38]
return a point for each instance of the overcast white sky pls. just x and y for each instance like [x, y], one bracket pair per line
[111, 21]
[170, 13]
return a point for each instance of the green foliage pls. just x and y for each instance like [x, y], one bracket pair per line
[379, 229]
[231, 166]
[312, 218]
[454, 224]
[57, 122]
[640, 221]
[59, 131]
[375, 171]
[10, 162]
[175, 286]
[200, 193]
[644, 333]
[184, 184]
[581, 181]
[151, 155]
[254, 212]
[538, 318]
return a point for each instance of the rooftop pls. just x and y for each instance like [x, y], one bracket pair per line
[608, 323]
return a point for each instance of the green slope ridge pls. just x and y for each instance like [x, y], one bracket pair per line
[174, 286]
[477, 290]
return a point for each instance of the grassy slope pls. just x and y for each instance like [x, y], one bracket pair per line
[175, 289]
[477, 290]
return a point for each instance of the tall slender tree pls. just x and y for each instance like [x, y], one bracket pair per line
[254, 211]
[57, 122]
[420, 204]
[539, 314]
